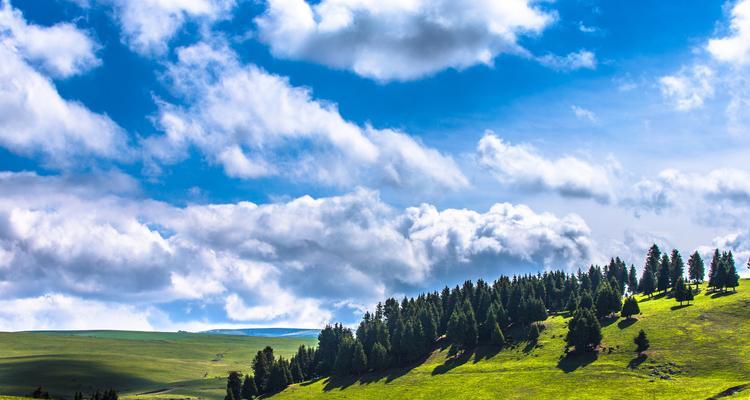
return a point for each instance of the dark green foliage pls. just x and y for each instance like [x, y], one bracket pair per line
[696, 269]
[40, 393]
[343, 363]
[676, 267]
[329, 340]
[682, 292]
[378, 359]
[585, 301]
[632, 280]
[249, 390]
[234, 386]
[732, 278]
[535, 310]
[652, 260]
[359, 359]
[714, 271]
[630, 307]
[584, 331]
[662, 278]
[78, 396]
[261, 371]
[497, 338]
[278, 379]
[608, 300]
[641, 341]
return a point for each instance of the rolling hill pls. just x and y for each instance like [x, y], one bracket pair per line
[698, 351]
[153, 364]
[267, 332]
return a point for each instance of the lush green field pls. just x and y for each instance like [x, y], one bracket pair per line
[697, 352]
[159, 364]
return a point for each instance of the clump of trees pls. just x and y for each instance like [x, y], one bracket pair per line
[641, 342]
[399, 333]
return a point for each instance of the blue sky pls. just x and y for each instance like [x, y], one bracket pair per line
[193, 164]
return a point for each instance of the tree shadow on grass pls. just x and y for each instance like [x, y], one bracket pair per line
[607, 321]
[638, 360]
[721, 294]
[680, 307]
[626, 322]
[343, 382]
[572, 361]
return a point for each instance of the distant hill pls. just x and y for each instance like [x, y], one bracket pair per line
[268, 332]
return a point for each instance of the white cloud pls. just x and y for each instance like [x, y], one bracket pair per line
[397, 40]
[149, 25]
[582, 59]
[735, 47]
[263, 264]
[247, 120]
[738, 243]
[586, 29]
[688, 90]
[523, 166]
[584, 114]
[61, 49]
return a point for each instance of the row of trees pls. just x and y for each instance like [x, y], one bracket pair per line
[400, 333]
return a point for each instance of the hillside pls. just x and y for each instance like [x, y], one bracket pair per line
[267, 332]
[164, 364]
[697, 352]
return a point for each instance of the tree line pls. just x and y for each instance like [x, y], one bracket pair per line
[399, 333]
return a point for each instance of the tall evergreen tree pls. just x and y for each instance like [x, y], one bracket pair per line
[732, 277]
[249, 390]
[359, 360]
[234, 385]
[378, 359]
[641, 341]
[632, 281]
[714, 270]
[584, 331]
[261, 371]
[676, 267]
[662, 279]
[497, 338]
[648, 282]
[681, 291]
[630, 307]
[696, 269]
[278, 379]
[652, 259]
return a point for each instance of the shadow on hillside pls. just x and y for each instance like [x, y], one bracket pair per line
[634, 363]
[343, 382]
[607, 321]
[479, 354]
[572, 361]
[680, 307]
[62, 375]
[626, 322]
[720, 294]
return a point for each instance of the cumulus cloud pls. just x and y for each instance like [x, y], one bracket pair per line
[738, 243]
[396, 40]
[718, 195]
[523, 166]
[734, 48]
[149, 25]
[247, 120]
[62, 49]
[34, 118]
[582, 59]
[688, 89]
[262, 264]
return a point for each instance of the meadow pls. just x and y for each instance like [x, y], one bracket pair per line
[137, 364]
[698, 351]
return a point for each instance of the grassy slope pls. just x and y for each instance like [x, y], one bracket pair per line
[708, 342]
[132, 362]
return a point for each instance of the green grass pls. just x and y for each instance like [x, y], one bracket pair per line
[706, 345]
[169, 364]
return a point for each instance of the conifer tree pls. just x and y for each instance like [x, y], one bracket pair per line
[662, 279]
[713, 270]
[584, 331]
[696, 269]
[630, 307]
[681, 290]
[732, 277]
[585, 301]
[278, 379]
[249, 390]
[533, 333]
[359, 360]
[676, 267]
[641, 342]
[652, 260]
[343, 363]
[632, 281]
[648, 283]
[234, 385]
[261, 371]
[378, 359]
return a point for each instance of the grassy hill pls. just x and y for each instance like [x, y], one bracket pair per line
[697, 352]
[168, 365]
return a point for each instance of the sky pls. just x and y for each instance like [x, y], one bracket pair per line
[199, 164]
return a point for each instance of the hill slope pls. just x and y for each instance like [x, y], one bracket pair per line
[268, 332]
[158, 363]
[697, 352]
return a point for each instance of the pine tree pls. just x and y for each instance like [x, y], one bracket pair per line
[261, 371]
[533, 333]
[234, 386]
[630, 307]
[696, 269]
[662, 279]
[681, 290]
[722, 272]
[652, 260]
[249, 390]
[632, 281]
[648, 283]
[584, 331]
[676, 267]
[585, 301]
[359, 359]
[713, 270]
[641, 341]
[343, 363]
[732, 277]
[278, 379]
[378, 360]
